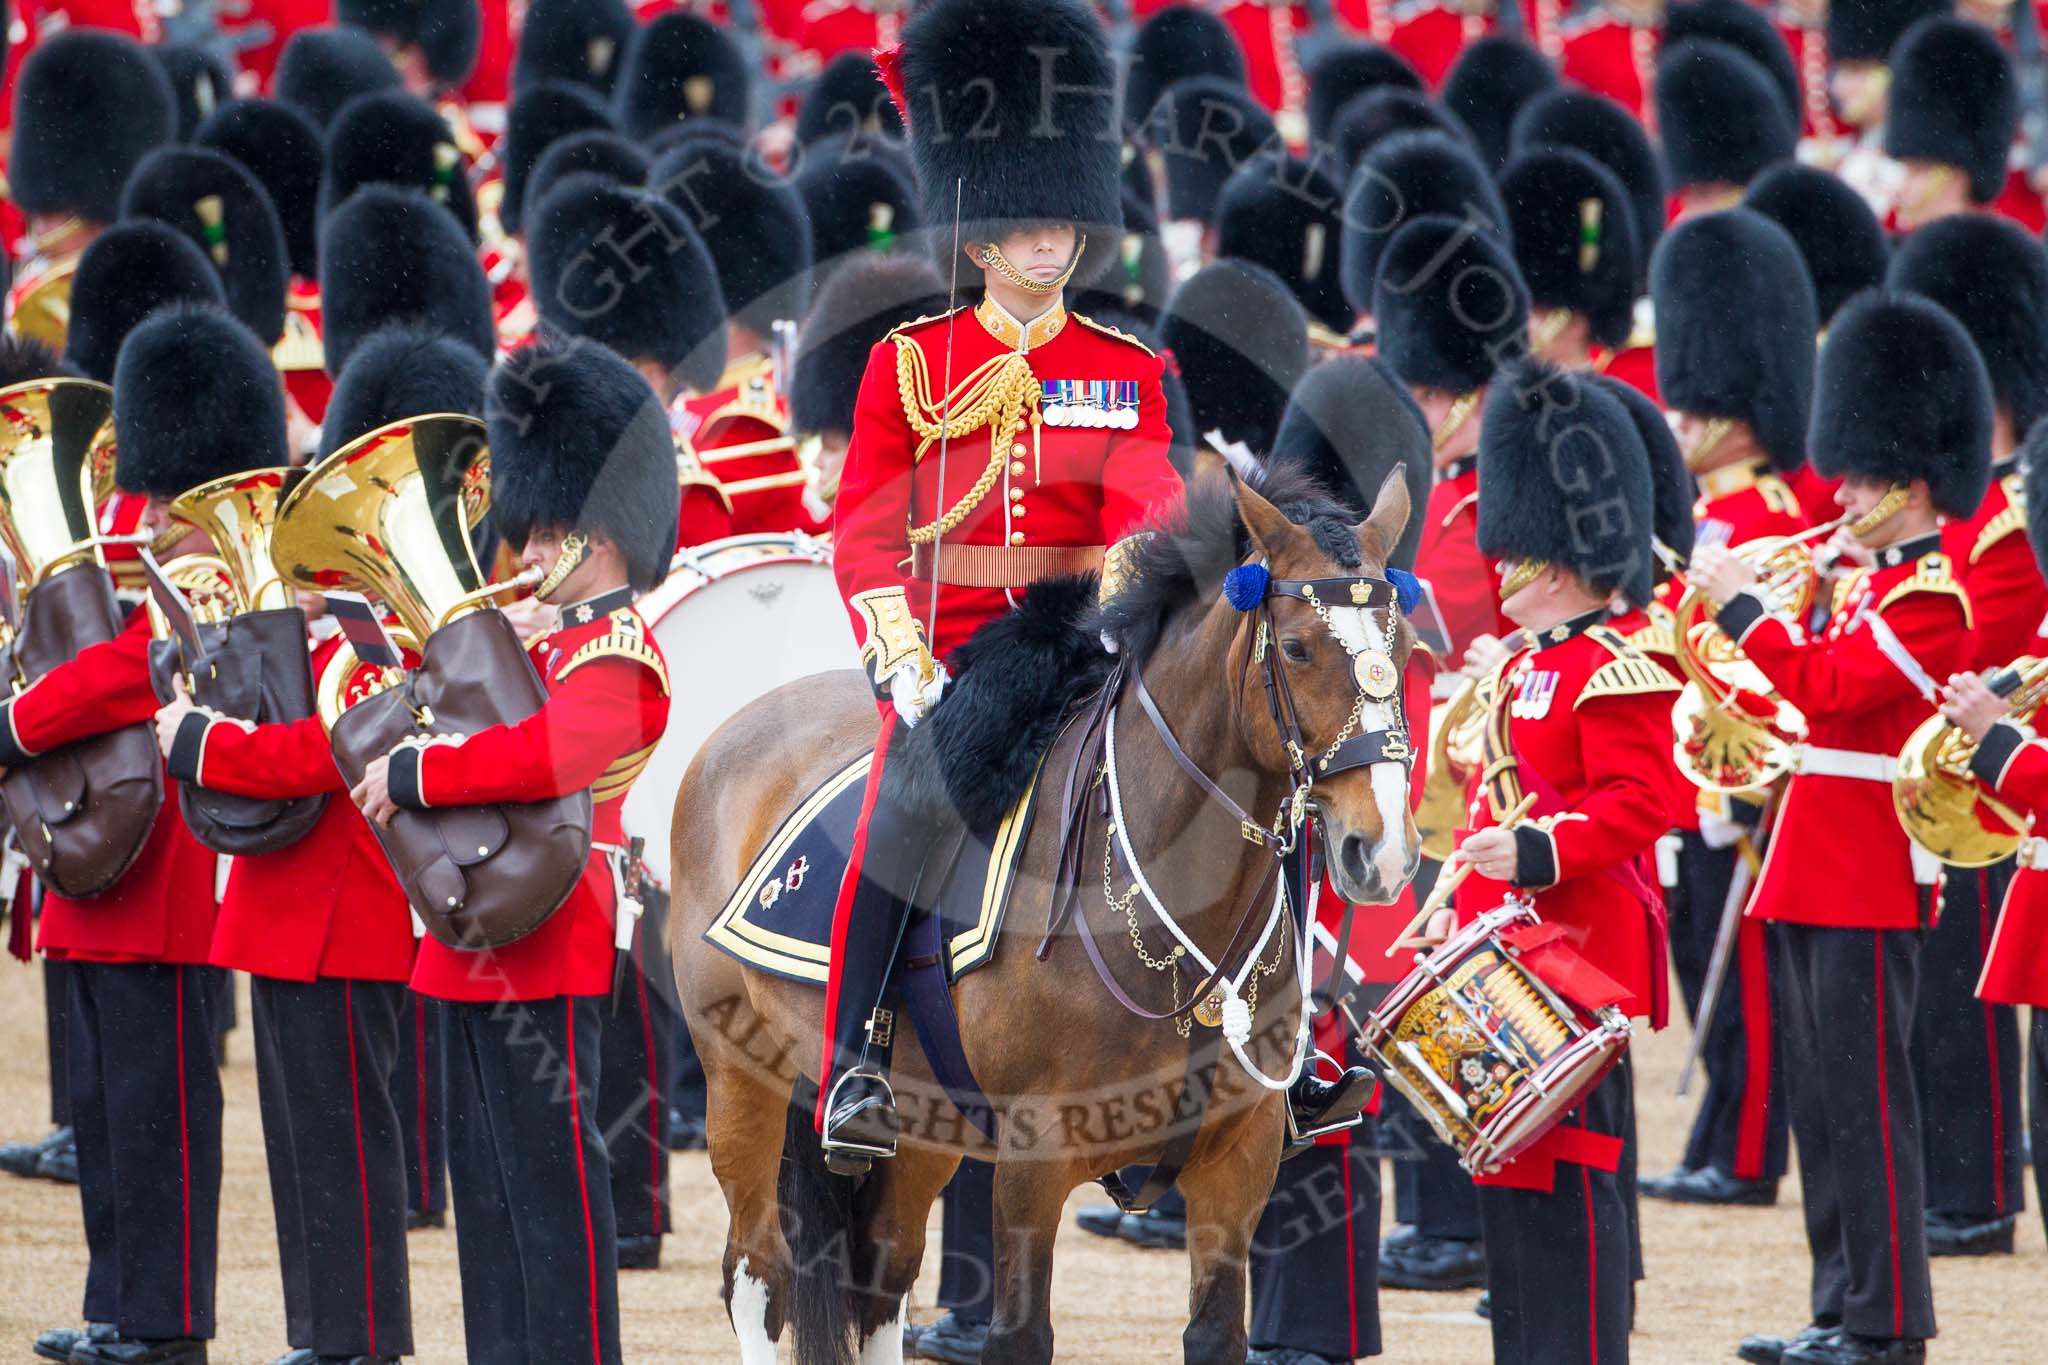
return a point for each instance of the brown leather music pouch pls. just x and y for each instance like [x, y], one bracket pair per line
[82, 812]
[251, 667]
[477, 876]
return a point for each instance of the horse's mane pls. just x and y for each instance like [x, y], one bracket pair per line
[1204, 539]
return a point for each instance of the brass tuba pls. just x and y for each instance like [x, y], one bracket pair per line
[1940, 804]
[1456, 730]
[390, 515]
[82, 812]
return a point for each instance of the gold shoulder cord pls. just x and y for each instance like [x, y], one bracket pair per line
[1001, 395]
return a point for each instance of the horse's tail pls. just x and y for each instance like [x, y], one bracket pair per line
[818, 1219]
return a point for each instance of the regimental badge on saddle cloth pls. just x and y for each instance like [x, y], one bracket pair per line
[1109, 403]
[1534, 691]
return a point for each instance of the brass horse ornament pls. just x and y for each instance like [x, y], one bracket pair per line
[1287, 706]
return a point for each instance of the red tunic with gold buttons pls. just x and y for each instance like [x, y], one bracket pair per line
[1990, 554]
[162, 909]
[326, 906]
[740, 433]
[1433, 34]
[1584, 722]
[1612, 56]
[1463, 581]
[1809, 47]
[826, 28]
[1069, 482]
[2013, 763]
[1838, 857]
[607, 706]
[1270, 33]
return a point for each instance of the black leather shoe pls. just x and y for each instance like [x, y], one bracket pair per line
[1846, 1348]
[59, 1161]
[639, 1253]
[1655, 1185]
[126, 1351]
[22, 1158]
[1484, 1308]
[298, 1357]
[1318, 1106]
[860, 1123]
[952, 1338]
[1949, 1235]
[58, 1343]
[1712, 1185]
[415, 1219]
[1100, 1219]
[1767, 1349]
[685, 1131]
[1435, 1263]
[1155, 1229]
[1287, 1355]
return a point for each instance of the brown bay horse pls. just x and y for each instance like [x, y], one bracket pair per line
[1081, 1085]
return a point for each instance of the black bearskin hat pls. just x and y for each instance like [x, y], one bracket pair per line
[1141, 279]
[657, 299]
[1721, 119]
[1865, 30]
[1488, 85]
[322, 69]
[391, 138]
[1575, 238]
[1377, 115]
[542, 114]
[210, 198]
[690, 132]
[1735, 326]
[1203, 130]
[853, 314]
[1240, 342]
[1350, 422]
[1177, 44]
[1608, 133]
[1281, 212]
[1051, 152]
[88, 105]
[128, 272]
[606, 155]
[682, 67]
[753, 223]
[195, 397]
[1831, 224]
[1408, 176]
[860, 198]
[1746, 28]
[572, 40]
[1953, 100]
[1343, 72]
[1451, 307]
[1670, 482]
[2034, 465]
[399, 372]
[200, 82]
[848, 97]
[389, 255]
[1902, 394]
[448, 33]
[1570, 491]
[280, 147]
[578, 441]
[1991, 275]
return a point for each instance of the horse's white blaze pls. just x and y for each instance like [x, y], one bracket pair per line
[885, 1347]
[749, 1308]
[1390, 793]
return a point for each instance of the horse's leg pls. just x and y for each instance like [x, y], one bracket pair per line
[1226, 1191]
[902, 1205]
[1029, 1195]
[744, 1130]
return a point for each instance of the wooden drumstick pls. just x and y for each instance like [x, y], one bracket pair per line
[1447, 882]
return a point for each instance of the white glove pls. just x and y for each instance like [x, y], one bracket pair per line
[1717, 833]
[914, 701]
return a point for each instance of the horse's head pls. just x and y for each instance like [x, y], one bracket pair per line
[1336, 654]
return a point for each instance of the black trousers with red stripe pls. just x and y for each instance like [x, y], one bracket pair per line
[967, 1242]
[2037, 1103]
[56, 1037]
[145, 1103]
[1316, 1254]
[1849, 1002]
[1966, 1058]
[632, 1101]
[531, 1182]
[1741, 1127]
[419, 1089]
[324, 1053]
[1559, 1262]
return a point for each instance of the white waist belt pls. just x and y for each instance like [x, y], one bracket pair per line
[2032, 853]
[1814, 762]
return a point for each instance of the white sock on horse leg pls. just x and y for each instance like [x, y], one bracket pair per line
[749, 1309]
[885, 1347]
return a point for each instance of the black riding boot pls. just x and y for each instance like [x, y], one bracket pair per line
[860, 1110]
[1316, 1106]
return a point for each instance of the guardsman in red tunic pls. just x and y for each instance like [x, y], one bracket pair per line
[1722, 121]
[1200, 131]
[1951, 117]
[1580, 719]
[1736, 320]
[196, 398]
[581, 472]
[1612, 50]
[1993, 277]
[1903, 413]
[1575, 244]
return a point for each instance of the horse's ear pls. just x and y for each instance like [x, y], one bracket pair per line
[1381, 531]
[1268, 524]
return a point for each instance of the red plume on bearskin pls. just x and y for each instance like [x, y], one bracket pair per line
[889, 65]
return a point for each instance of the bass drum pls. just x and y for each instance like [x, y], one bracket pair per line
[736, 619]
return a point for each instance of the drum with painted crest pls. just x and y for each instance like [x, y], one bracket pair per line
[736, 619]
[1486, 1049]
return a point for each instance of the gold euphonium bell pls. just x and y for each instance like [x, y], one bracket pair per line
[1940, 803]
[56, 467]
[238, 513]
[1456, 730]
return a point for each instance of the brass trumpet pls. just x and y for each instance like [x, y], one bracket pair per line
[1940, 804]
[1456, 729]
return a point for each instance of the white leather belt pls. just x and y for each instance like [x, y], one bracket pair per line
[1814, 762]
[2032, 853]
